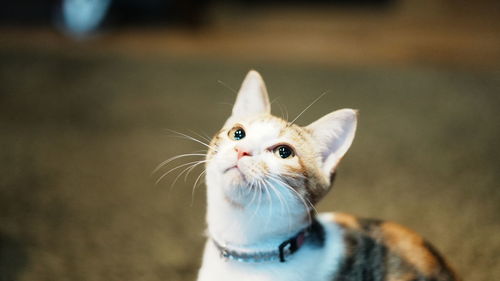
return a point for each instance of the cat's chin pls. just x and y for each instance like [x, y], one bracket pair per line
[234, 177]
[236, 187]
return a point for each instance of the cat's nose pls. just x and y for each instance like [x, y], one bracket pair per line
[242, 152]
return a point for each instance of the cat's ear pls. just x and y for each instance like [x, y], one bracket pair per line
[252, 97]
[334, 134]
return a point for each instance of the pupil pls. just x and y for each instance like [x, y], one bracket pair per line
[284, 151]
[239, 134]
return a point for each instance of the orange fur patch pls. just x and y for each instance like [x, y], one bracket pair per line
[346, 220]
[404, 277]
[264, 167]
[409, 246]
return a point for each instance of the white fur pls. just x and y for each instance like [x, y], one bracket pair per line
[266, 217]
[247, 209]
[308, 264]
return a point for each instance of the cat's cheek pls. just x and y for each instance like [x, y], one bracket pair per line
[284, 167]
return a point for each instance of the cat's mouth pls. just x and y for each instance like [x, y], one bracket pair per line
[230, 168]
[235, 169]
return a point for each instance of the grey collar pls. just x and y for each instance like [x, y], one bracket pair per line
[313, 233]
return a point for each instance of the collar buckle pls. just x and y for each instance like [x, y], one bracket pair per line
[291, 245]
[224, 253]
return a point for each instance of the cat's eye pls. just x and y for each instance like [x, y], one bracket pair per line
[237, 133]
[283, 151]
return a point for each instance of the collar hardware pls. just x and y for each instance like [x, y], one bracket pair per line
[293, 244]
[284, 250]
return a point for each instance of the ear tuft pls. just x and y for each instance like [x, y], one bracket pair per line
[334, 134]
[252, 97]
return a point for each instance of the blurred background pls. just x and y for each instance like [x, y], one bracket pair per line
[90, 88]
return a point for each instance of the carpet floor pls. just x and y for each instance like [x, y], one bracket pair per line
[81, 134]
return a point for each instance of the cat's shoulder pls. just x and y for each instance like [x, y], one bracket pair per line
[379, 230]
[378, 242]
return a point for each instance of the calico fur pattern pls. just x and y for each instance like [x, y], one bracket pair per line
[257, 198]
[379, 250]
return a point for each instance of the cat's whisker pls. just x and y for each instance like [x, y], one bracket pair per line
[282, 199]
[227, 87]
[311, 104]
[273, 101]
[252, 189]
[299, 196]
[175, 168]
[270, 188]
[276, 100]
[270, 212]
[284, 112]
[261, 192]
[188, 170]
[191, 138]
[195, 184]
[206, 138]
[312, 206]
[195, 140]
[225, 103]
[192, 168]
[294, 175]
[309, 203]
[283, 203]
[162, 164]
[259, 201]
[255, 192]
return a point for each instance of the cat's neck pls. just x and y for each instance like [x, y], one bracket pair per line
[252, 225]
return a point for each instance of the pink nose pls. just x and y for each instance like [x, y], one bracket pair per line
[242, 152]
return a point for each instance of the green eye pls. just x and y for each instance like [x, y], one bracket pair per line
[236, 133]
[284, 151]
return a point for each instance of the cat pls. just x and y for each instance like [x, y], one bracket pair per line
[264, 175]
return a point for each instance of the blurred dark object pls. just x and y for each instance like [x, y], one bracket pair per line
[370, 3]
[13, 258]
[139, 12]
[85, 16]
[188, 12]
[27, 12]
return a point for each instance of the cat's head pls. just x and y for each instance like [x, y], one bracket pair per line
[256, 152]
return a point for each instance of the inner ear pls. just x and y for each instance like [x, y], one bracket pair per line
[252, 97]
[334, 134]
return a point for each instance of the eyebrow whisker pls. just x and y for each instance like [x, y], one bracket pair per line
[305, 109]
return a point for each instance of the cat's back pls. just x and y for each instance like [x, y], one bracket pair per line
[383, 250]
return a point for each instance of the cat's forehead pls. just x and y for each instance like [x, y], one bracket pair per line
[270, 126]
[268, 122]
